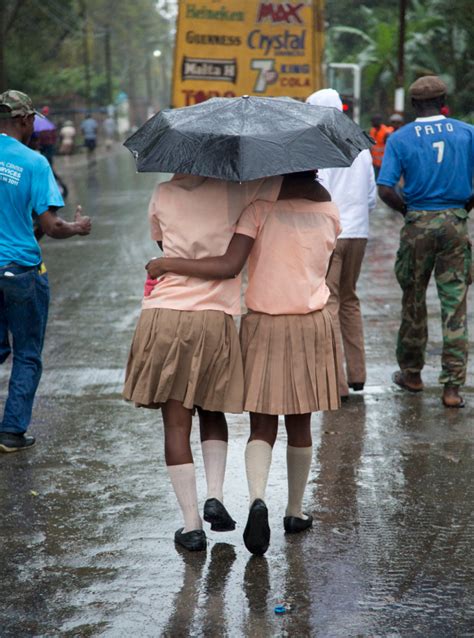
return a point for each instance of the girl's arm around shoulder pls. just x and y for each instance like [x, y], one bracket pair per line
[226, 266]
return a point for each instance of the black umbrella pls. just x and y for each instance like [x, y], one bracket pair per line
[245, 138]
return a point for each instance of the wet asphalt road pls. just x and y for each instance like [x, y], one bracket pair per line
[87, 516]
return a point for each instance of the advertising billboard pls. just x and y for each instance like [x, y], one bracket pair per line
[228, 48]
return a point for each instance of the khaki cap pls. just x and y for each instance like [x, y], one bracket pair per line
[427, 88]
[18, 103]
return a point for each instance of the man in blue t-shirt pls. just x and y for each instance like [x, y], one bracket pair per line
[435, 157]
[89, 129]
[26, 183]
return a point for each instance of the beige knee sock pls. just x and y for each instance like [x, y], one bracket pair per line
[258, 458]
[298, 460]
[183, 479]
[214, 454]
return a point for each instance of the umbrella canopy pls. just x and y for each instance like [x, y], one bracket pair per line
[43, 124]
[245, 138]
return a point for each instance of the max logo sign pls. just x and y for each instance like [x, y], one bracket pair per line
[277, 13]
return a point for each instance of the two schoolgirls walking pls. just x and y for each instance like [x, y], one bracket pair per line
[186, 354]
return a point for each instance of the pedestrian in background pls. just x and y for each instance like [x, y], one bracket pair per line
[353, 190]
[67, 135]
[110, 129]
[435, 156]
[89, 128]
[379, 132]
[26, 183]
[47, 135]
[396, 121]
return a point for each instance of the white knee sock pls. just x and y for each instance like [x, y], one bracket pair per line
[214, 454]
[298, 460]
[258, 458]
[183, 479]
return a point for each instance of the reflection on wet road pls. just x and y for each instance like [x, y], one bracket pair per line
[88, 516]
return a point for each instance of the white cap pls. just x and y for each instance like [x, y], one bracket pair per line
[325, 97]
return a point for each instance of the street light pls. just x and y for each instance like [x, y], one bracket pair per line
[156, 53]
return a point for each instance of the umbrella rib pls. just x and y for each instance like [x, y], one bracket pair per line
[204, 114]
[334, 145]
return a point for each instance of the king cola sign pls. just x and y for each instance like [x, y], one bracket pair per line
[231, 47]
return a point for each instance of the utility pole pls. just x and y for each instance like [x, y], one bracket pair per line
[108, 64]
[3, 33]
[399, 105]
[149, 89]
[85, 51]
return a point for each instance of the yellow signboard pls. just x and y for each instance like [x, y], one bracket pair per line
[228, 48]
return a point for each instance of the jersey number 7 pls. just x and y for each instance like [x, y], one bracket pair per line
[439, 146]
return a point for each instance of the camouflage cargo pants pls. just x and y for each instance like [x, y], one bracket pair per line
[439, 241]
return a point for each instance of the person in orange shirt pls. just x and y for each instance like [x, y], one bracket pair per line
[185, 352]
[379, 132]
[287, 338]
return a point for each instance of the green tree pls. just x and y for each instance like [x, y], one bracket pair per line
[439, 38]
[84, 51]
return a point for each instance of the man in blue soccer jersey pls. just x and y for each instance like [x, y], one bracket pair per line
[435, 157]
[26, 183]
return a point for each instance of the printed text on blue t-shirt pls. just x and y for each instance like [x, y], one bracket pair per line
[10, 173]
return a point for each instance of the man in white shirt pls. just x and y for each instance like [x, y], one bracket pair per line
[353, 190]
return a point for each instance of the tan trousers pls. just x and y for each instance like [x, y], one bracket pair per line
[344, 307]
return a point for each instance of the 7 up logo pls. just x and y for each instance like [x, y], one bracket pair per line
[266, 74]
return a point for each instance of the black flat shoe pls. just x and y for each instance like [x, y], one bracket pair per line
[216, 514]
[10, 442]
[293, 524]
[257, 530]
[357, 387]
[193, 541]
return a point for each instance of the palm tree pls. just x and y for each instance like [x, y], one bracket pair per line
[436, 43]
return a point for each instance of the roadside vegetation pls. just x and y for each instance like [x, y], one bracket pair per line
[88, 53]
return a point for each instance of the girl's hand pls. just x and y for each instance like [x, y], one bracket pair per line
[155, 267]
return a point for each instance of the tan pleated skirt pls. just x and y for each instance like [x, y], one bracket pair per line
[192, 357]
[289, 363]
